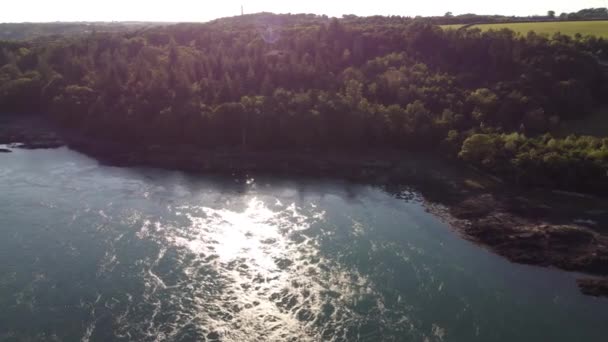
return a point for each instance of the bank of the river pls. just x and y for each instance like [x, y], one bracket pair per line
[536, 227]
[540, 230]
[28, 132]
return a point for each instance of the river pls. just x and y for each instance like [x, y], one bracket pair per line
[97, 253]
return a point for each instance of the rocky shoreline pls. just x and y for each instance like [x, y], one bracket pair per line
[28, 132]
[544, 239]
[536, 227]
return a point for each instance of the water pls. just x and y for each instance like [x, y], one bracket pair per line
[95, 253]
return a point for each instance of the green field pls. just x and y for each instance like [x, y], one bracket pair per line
[596, 28]
[452, 27]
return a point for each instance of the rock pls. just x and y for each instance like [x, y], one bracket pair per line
[475, 207]
[29, 132]
[590, 262]
[528, 208]
[34, 145]
[214, 336]
[486, 232]
[4, 150]
[569, 235]
[594, 287]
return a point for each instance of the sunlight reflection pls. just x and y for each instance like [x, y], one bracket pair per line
[258, 271]
[256, 234]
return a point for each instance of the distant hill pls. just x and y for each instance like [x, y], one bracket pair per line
[24, 31]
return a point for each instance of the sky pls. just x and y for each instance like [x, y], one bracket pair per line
[204, 10]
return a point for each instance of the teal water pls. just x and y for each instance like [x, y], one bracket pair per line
[97, 253]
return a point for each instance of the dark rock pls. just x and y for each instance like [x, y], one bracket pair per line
[4, 150]
[522, 240]
[475, 207]
[214, 336]
[590, 262]
[594, 287]
[492, 229]
[527, 208]
[569, 235]
[28, 132]
[34, 145]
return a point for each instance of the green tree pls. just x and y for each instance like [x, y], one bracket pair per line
[479, 149]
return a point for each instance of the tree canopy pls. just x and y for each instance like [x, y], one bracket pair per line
[310, 82]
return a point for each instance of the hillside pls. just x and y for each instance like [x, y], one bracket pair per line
[307, 82]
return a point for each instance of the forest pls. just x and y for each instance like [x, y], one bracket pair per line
[305, 82]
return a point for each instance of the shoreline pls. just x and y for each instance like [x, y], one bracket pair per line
[545, 240]
[535, 227]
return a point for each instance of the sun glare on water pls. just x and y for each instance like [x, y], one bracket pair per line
[257, 234]
[253, 273]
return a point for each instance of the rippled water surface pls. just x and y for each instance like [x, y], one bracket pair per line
[95, 253]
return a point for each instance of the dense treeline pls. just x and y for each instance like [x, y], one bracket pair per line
[541, 160]
[587, 13]
[310, 82]
[584, 14]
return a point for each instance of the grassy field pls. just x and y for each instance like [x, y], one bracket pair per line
[596, 28]
[452, 27]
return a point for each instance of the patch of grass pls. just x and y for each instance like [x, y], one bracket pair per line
[451, 27]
